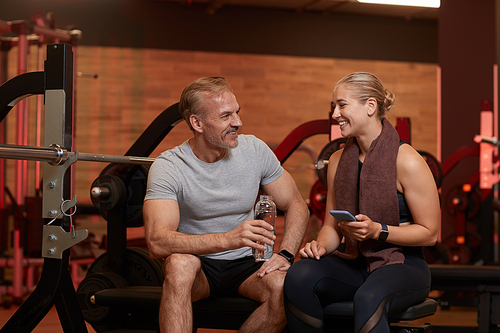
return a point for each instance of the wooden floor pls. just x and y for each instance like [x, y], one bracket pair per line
[51, 324]
[454, 317]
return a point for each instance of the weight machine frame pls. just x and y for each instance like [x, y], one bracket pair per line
[55, 286]
[22, 34]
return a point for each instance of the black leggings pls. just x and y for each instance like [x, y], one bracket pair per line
[311, 284]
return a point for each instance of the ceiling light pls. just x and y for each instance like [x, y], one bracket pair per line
[417, 3]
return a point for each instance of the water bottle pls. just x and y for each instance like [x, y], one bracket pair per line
[265, 210]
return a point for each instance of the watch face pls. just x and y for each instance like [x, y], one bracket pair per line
[383, 235]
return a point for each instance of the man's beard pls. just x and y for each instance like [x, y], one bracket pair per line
[218, 142]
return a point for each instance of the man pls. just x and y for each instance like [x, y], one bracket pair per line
[198, 214]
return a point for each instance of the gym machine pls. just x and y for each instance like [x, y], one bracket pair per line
[55, 286]
[481, 283]
[24, 36]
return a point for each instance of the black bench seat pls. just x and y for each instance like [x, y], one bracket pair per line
[481, 280]
[463, 277]
[231, 312]
[210, 313]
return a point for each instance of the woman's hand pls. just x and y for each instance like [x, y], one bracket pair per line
[312, 250]
[362, 229]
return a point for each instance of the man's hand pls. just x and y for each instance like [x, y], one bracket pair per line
[252, 233]
[276, 262]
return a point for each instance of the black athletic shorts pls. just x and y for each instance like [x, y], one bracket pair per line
[225, 276]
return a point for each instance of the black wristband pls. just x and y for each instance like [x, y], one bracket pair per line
[287, 255]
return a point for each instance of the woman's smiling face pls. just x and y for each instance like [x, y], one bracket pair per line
[347, 110]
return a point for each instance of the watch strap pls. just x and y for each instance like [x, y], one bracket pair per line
[287, 255]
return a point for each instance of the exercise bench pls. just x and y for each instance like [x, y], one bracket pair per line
[481, 280]
[231, 312]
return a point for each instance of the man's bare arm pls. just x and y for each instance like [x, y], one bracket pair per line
[161, 220]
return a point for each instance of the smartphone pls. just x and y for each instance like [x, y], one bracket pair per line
[342, 215]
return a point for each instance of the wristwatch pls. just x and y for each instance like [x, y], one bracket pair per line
[383, 233]
[287, 255]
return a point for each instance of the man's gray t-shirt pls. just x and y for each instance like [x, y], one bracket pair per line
[214, 197]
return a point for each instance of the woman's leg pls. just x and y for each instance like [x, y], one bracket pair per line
[310, 284]
[392, 287]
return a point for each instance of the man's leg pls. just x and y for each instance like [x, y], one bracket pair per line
[270, 316]
[184, 283]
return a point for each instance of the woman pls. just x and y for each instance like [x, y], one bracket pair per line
[389, 188]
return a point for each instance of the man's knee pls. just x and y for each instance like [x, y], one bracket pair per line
[278, 281]
[274, 285]
[181, 268]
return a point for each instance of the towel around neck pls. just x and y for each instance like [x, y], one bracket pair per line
[376, 196]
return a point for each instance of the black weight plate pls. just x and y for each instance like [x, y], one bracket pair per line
[136, 182]
[100, 317]
[436, 254]
[134, 178]
[140, 269]
[158, 263]
[469, 203]
[117, 192]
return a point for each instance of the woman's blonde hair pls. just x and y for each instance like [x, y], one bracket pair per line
[365, 85]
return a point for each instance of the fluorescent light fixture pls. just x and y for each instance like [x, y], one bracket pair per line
[417, 3]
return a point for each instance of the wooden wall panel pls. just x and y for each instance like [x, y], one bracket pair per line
[276, 94]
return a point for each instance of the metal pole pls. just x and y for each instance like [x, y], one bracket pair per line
[57, 155]
[5, 46]
[21, 170]
[21, 114]
[39, 102]
[72, 170]
[17, 152]
[114, 159]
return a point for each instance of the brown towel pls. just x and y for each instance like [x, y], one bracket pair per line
[377, 195]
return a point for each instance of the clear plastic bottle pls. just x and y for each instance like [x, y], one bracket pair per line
[265, 210]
